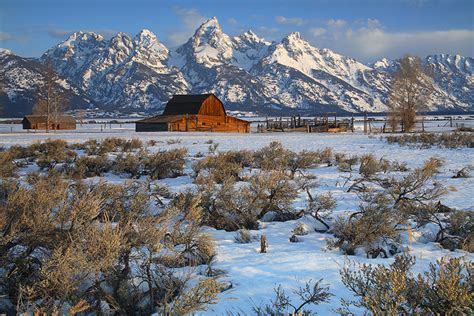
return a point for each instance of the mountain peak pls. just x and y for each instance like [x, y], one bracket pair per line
[212, 22]
[294, 39]
[84, 36]
[148, 50]
[250, 36]
[208, 30]
[120, 39]
[4, 51]
[381, 64]
[121, 35]
[294, 36]
[146, 33]
[210, 33]
[145, 38]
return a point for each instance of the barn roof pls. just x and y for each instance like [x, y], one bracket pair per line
[43, 119]
[185, 104]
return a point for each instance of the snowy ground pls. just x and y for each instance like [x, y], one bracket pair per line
[254, 275]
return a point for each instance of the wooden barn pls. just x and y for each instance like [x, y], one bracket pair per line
[201, 112]
[63, 122]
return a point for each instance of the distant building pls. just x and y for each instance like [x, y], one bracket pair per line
[63, 122]
[201, 112]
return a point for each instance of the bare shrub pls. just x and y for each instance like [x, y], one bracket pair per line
[52, 152]
[369, 166]
[273, 191]
[166, 164]
[194, 299]
[21, 152]
[272, 157]
[65, 245]
[132, 144]
[426, 140]
[398, 166]
[346, 164]
[212, 149]
[152, 142]
[458, 233]
[372, 227]
[111, 144]
[190, 247]
[320, 207]
[418, 187]
[231, 207]
[445, 289]
[130, 164]
[243, 236]
[309, 294]
[327, 155]
[91, 166]
[300, 229]
[7, 164]
[226, 206]
[303, 160]
[275, 157]
[463, 173]
[173, 141]
[226, 165]
[90, 147]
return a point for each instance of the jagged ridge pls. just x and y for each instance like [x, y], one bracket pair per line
[246, 72]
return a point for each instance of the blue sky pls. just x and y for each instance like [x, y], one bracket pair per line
[366, 30]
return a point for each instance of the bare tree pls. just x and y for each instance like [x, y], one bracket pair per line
[51, 102]
[2, 92]
[410, 91]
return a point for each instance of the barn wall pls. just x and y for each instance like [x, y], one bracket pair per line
[38, 125]
[211, 124]
[66, 126]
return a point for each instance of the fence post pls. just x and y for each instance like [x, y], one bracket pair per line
[365, 123]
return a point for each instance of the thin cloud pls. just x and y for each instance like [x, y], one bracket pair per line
[62, 34]
[268, 32]
[232, 21]
[59, 33]
[191, 19]
[337, 23]
[289, 21]
[317, 31]
[368, 40]
[4, 36]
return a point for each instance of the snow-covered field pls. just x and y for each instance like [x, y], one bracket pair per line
[254, 275]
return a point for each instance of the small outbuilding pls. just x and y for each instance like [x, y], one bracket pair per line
[200, 112]
[63, 122]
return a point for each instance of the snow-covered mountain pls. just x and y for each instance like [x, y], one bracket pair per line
[20, 82]
[122, 73]
[245, 71]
